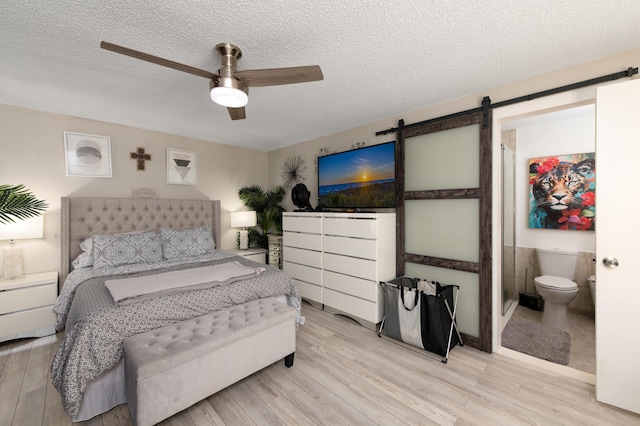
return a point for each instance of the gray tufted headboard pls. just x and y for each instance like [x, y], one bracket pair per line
[83, 217]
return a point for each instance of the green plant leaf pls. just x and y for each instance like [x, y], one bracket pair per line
[268, 210]
[17, 202]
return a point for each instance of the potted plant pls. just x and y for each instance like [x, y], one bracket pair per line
[17, 202]
[268, 210]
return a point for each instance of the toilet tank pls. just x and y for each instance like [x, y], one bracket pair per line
[557, 263]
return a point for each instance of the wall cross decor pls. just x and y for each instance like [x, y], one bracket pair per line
[140, 158]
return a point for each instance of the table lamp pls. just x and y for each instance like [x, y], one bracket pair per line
[244, 220]
[19, 230]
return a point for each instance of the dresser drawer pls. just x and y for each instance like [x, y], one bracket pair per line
[303, 257]
[19, 322]
[309, 224]
[355, 247]
[354, 286]
[309, 291]
[364, 309]
[28, 298]
[303, 273]
[274, 240]
[308, 241]
[350, 227]
[362, 268]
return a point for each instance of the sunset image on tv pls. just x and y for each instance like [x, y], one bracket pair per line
[362, 178]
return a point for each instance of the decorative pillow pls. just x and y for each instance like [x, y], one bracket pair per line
[84, 260]
[87, 245]
[123, 249]
[187, 242]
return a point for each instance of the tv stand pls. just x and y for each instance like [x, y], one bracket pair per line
[338, 259]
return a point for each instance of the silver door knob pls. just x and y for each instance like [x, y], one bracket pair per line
[610, 262]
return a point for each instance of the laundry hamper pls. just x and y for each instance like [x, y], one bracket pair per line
[421, 313]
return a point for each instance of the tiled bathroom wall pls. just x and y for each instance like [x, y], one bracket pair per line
[527, 270]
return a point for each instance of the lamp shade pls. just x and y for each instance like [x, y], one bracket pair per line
[229, 97]
[23, 229]
[243, 219]
[229, 92]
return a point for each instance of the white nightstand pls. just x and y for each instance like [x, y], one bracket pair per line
[255, 254]
[26, 306]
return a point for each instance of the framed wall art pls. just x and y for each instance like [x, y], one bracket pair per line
[182, 167]
[562, 192]
[87, 155]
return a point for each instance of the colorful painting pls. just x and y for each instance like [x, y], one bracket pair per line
[563, 192]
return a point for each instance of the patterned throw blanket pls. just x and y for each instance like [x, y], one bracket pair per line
[96, 327]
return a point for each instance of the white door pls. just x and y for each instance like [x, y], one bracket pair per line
[618, 240]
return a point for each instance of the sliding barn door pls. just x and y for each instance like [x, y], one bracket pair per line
[444, 216]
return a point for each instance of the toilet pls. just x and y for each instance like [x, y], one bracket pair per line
[556, 285]
[592, 287]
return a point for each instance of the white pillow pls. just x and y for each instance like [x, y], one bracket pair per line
[186, 242]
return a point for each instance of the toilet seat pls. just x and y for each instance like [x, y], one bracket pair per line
[556, 283]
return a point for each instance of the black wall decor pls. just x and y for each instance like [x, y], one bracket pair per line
[300, 196]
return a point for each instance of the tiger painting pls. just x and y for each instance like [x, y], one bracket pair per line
[562, 193]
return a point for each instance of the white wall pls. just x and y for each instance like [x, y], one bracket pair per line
[344, 140]
[567, 136]
[31, 153]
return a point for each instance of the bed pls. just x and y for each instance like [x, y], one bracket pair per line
[88, 368]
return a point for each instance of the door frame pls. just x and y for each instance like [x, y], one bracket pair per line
[557, 102]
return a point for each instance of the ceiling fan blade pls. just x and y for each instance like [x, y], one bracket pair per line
[277, 76]
[237, 113]
[157, 60]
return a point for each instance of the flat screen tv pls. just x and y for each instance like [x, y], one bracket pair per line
[363, 178]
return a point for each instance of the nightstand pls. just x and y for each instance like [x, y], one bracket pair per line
[275, 250]
[26, 306]
[256, 254]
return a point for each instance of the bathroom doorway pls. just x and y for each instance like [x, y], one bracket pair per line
[618, 360]
[518, 243]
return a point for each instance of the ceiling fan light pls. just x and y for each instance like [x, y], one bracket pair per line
[230, 97]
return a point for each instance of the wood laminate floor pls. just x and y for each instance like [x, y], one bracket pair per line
[343, 374]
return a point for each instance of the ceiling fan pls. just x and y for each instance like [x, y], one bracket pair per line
[230, 87]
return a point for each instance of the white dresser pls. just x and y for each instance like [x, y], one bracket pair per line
[302, 252]
[26, 306]
[338, 259]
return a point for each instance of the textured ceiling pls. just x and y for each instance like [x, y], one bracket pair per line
[380, 58]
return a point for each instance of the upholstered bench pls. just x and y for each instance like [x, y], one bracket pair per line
[171, 368]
